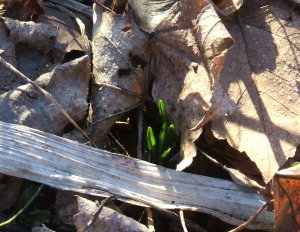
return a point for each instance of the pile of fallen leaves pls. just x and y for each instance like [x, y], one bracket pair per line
[228, 72]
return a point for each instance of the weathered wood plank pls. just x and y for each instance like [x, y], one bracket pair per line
[68, 165]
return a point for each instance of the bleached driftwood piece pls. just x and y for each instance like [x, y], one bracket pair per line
[68, 165]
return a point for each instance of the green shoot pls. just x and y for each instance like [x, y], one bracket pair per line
[150, 138]
[294, 164]
[151, 142]
[162, 111]
[161, 146]
[23, 208]
[165, 153]
[161, 138]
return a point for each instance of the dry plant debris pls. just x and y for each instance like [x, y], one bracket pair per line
[69, 165]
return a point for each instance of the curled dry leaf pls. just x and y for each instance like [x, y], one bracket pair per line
[185, 77]
[261, 75]
[108, 220]
[120, 72]
[69, 38]
[68, 84]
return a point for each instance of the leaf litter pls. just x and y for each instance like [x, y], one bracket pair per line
[261, 75]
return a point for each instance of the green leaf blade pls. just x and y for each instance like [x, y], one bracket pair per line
[171, 136]
[162, 111]
[162, 139]
[295, 164]
[151, 141]
[165, 153]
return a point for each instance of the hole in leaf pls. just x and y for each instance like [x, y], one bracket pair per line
[72, 55]
[138, 61]
[124, 72]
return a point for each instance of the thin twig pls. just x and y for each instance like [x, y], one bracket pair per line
[140, 133]
[150, 221]
[250, 220]
[192, 225]
[126, 91]
[142, 215]
[96, 215]
[49, 96]
[166, 212]
[104, 7]
[118, 143]
[172, 215]
[182, 221]
[127, 122]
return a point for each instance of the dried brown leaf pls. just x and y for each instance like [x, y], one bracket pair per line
[67, 83]
[287, 199]
[108, 220]
[261, 75]
[120, 69]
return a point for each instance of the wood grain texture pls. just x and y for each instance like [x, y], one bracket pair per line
[68, 165]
